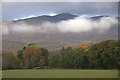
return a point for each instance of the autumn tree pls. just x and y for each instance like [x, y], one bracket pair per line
[20, 55]
[9, 61]
[55, 60]
[104, 55]
[33, 56]
[70, 58]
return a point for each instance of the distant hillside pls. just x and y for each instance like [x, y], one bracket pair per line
[54, 40]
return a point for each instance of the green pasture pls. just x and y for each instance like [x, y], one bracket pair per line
[59, 73]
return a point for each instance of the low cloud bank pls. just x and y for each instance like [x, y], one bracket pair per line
[75, 25]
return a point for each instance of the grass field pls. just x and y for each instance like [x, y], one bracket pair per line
[59, 73]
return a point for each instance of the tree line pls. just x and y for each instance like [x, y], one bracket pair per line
[102, 55]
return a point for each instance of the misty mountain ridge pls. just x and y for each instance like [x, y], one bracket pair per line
[71, 31]
[43, 18]
[56, 18]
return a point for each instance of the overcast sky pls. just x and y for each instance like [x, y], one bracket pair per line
[16, 10]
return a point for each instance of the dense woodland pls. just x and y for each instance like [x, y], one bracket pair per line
[102, 55]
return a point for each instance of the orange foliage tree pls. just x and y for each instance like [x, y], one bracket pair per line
[82, 48]
[33, 56]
